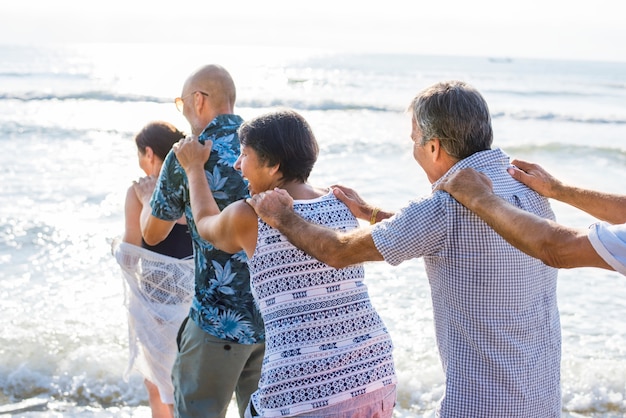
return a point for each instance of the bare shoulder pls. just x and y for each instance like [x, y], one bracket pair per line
[241, 211]
[242, 225]
[131, 198]
[130, 191]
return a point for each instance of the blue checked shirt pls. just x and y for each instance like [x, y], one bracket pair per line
[223, 305]
[495, 312]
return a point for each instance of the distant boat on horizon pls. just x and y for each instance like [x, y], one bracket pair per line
[501, 60]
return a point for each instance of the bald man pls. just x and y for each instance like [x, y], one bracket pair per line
[222, 342]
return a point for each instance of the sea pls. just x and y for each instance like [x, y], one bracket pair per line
[68, 114]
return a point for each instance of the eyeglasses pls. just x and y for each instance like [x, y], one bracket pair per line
[179, 100]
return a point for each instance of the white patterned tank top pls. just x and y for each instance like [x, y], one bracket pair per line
[325, 342]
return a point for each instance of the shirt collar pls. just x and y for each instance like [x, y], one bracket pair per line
[220, 123]
[477, 161]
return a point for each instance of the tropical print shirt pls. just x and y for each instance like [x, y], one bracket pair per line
[223, 305]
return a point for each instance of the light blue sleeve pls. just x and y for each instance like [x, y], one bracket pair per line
[417, 230]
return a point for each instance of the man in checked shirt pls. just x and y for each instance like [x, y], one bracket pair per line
[495, 311]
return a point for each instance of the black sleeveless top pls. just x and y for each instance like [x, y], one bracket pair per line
[177, 244]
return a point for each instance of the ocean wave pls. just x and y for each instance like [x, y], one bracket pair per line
[590, 90]
[583, 90]
[105, 96]
[616, 86]
[321, 104]
[539, 93]
[87, 95]
[14, 130]
[556, 117]
[315, 104]
[45, 74]
[29, 389]
[616, 155]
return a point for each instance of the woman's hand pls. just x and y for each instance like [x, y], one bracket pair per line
[191, 153]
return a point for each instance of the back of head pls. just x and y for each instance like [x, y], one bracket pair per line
[158, 135]
[217, 83]
[282, 137]
[457, 114]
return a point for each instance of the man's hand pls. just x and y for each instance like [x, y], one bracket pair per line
[535, 177]
[191, 153]
[272, 206]
[465, 185]
[144, 188]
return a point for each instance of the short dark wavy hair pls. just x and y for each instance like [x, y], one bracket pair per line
[158, 135]
[285, 138]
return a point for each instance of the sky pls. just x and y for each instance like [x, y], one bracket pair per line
[554, 29]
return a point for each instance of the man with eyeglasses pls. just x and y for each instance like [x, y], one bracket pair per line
[221, 343]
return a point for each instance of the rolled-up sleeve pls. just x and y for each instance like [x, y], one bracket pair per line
[417, 230]
[167, 200]
[609, 241]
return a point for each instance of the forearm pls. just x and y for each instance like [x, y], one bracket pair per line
[604, 206]
[555, 245]
[521, 229]
[153, 230]
[201, 198]
[144, 220]
[337, 249]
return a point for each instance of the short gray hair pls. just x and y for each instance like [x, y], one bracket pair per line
[457, 114]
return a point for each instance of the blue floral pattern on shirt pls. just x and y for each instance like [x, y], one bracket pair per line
[223, 305]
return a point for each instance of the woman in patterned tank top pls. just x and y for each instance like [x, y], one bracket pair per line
[328, 353]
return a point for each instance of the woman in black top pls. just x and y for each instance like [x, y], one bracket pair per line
[153, 142]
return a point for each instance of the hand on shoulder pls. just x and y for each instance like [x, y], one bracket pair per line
[191, 153]
[535, 177]
[466, 184]
[271, 205]
[144, 187]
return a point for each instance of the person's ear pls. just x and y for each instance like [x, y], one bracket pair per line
[199, 101]
[149, 153]
[274, 169]
[435, 148]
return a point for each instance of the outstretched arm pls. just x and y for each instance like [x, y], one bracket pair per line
[604, 206]
[555, 245]
[337, 249]
[228, 230]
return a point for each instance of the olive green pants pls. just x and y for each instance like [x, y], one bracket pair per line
[208, 370]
